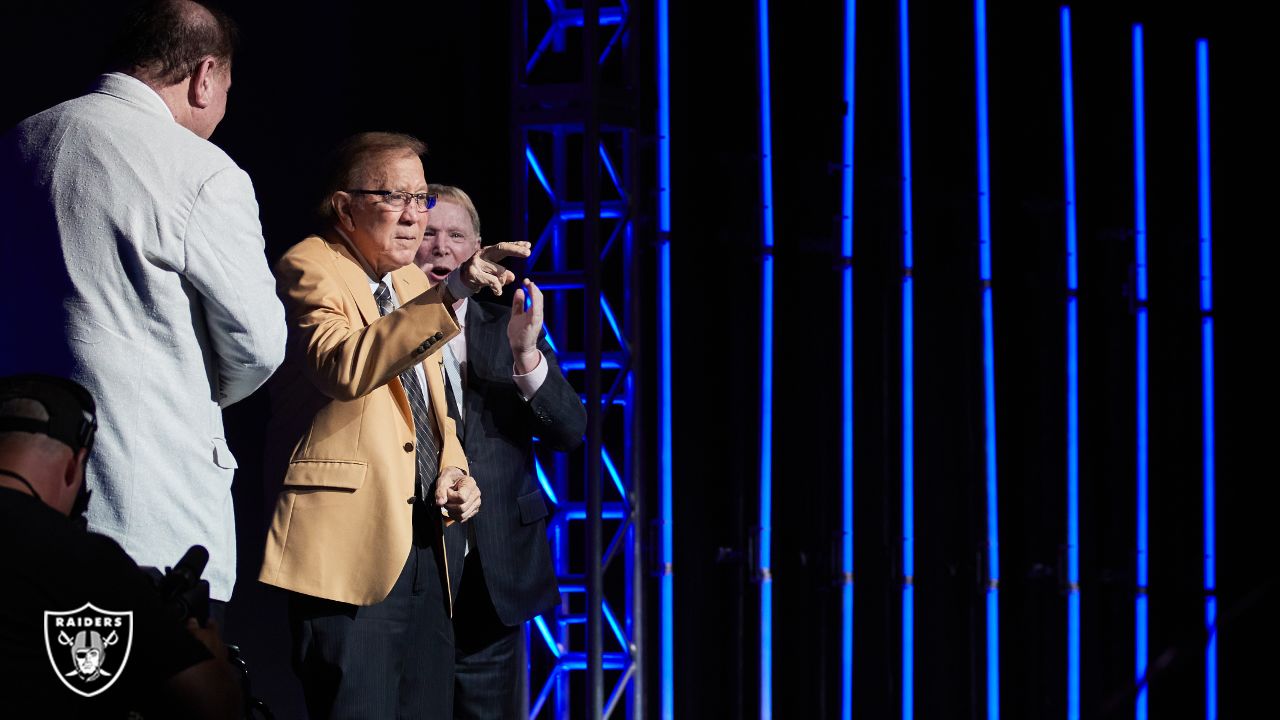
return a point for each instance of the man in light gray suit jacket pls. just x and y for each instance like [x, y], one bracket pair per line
[133, 262]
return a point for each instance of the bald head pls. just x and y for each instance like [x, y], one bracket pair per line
[182, 50]
[163, 42]
[54, 471]
[36, 443]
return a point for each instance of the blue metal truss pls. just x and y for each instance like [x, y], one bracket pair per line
[573, 199]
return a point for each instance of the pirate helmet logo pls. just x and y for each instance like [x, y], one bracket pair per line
[88, 647]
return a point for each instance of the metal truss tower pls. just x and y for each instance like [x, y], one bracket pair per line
[573, 142]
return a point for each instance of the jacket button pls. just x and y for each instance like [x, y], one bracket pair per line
[439, 335]
[422, 348]
[408, 447]
[413, 500]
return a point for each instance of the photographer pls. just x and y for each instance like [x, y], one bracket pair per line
[83, 631]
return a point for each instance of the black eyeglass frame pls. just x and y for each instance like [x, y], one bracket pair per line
[424, 201]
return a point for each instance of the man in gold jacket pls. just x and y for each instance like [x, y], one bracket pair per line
[362, 435]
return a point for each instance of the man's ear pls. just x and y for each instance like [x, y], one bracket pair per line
[341, 203]
[200, 87]
[74, 470]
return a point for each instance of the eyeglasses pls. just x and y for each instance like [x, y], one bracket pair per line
[396, 200]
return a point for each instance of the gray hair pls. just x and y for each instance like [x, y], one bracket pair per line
[449, 193]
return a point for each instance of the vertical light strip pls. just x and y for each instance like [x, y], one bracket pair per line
[846, 404]
[908, 372]
[1140, 273]
[1206, 329]
[1073, 375]
[988, 367]
[766, 372]
[666, 461]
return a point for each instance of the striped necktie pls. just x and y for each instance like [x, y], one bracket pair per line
[428, 449]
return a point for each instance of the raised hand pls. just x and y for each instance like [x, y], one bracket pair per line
[524, 327]
[482, 270]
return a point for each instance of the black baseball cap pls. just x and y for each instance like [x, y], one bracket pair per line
[72, 412]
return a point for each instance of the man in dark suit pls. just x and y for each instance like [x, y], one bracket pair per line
[513, 391]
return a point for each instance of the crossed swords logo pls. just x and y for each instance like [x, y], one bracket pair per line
[89, 650]
[93, 638]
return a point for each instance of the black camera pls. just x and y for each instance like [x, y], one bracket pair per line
[182, 593]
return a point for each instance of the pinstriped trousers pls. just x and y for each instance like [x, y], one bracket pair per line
[393, 659]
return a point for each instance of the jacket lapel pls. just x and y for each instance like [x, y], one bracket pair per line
[408, 284]
[357, 281]
[482, 348]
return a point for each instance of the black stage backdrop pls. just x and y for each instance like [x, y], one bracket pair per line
[310, 74]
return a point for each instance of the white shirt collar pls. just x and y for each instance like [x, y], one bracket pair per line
[460, 311]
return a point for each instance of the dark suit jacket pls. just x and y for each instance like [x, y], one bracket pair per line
[497, 432]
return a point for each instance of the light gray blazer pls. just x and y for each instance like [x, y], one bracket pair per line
[131, 259]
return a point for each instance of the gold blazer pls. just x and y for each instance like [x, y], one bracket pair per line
[342, 434]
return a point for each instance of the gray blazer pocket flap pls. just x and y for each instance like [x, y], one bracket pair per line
[222, 456]
[533, 507]
[338, 474]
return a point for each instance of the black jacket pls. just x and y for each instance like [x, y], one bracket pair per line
[497, 433]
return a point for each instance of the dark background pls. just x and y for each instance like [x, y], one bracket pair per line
[309, 74]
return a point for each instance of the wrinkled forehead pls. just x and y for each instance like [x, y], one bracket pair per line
[451, 217]
[393, 170]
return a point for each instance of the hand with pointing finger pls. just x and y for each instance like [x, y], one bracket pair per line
[482, 270]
